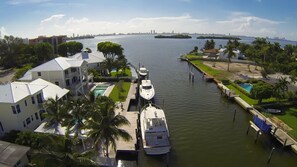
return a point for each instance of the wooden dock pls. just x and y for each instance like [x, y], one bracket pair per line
[127, 147]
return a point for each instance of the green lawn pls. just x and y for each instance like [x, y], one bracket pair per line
[249, 100]
[117, 95]
[218, 74]
[192, 56]
[290, 118]
[127, 73]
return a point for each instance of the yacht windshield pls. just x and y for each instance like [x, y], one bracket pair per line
[147, 87]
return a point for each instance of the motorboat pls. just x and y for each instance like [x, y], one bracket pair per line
[143, 72]
[273, 111]
[146, 90]
[154, 130]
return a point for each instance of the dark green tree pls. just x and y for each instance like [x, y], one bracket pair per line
[10, 51]
[74, 47]
[60, 152]
[110, 49]
[261, 91]
[63, 49]
[44, 52]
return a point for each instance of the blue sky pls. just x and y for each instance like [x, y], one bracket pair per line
[31, 18]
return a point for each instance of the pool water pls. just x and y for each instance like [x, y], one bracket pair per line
[100, 90]
[246, 86]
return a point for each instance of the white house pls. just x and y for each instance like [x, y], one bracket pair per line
[94, 59]
[67, 73]
[13, 155]
[238, 54]
[21, 104]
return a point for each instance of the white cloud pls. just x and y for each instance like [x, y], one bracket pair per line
[250, 25]
[18, 2]
[2, 32]
[53, 18]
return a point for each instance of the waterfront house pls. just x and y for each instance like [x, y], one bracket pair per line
[21, 104]
[67, 73]
[211, 53]
[13, 155]
[94, 59]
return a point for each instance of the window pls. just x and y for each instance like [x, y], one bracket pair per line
[41, 114]
[32, 117]
[28, 120]
[98, 64]
[1, 127]
[57, 83]
[39, 73]
[24, 123]
[67, 82]
[13, 109]
[39, 98]
[33, 100]
[36, 116]
[25, 102]
[18, 108]
[66, 72]
[73, 69]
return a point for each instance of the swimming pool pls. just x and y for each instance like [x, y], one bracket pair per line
[100, 90]
[246, 86]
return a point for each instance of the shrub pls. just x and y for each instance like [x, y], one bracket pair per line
[226, 81]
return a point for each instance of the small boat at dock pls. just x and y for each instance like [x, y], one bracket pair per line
[146, 90]
[143, 72]
[154, 130]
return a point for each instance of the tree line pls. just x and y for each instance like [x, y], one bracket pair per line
[95, 117]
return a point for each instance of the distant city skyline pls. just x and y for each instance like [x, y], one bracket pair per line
[263, 18]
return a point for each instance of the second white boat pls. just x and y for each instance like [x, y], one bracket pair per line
[146, 90]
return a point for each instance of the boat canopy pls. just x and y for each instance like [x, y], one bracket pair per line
[262, 124]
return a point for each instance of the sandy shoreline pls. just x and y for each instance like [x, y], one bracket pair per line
[238, 70]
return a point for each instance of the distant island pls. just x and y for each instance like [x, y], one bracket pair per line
[81, 37]
[218, 37]
[179, 36]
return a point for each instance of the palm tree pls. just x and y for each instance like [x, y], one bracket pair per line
[281, 87]
[104, 125]
[76, 114]
[229, 51]
[59, 152]
[55, 111]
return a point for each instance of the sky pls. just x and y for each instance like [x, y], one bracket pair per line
[261, 18]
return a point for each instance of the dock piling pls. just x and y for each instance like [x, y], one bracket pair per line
[247, 132]
[275, 129]
[234, 115]
[258, 132]
[270, 155]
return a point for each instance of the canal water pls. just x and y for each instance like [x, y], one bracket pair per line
[200, 120]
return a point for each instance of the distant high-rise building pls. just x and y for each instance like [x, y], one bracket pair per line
[53, 40]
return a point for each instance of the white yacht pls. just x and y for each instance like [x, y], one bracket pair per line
[146, 90]
[154, 130]
[143, 72]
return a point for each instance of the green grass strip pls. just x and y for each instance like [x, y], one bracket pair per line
[117, 95]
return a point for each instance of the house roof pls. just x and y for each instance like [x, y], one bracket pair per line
[215, 51]
[94, 57]
[57, 64]
[51, 90]
[16, 91]
[11, 153]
